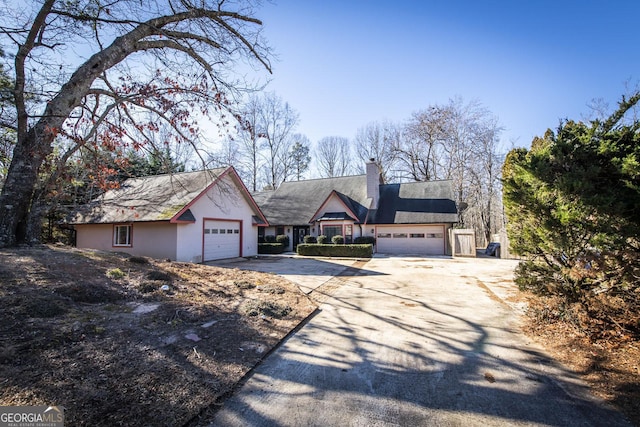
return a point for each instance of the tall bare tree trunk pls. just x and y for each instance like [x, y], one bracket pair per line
[19, 187]
[193, 30]
[35, 143]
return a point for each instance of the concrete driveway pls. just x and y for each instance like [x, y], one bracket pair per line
[414, 342]
[307, 273]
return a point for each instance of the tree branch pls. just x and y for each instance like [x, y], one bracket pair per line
[163, 44]
[21, 57]
[192, 36]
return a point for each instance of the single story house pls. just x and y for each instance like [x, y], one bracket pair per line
[192, 216]
[405, 218]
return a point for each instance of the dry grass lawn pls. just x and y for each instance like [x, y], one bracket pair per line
[133, 341]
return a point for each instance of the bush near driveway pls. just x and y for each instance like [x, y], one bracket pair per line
[270, 248]
[283, 239]
[352, 251]
[364, 239]
[310, 239]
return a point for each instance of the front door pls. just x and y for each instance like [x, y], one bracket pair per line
[298, 235]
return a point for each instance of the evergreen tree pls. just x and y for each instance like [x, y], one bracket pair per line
[300, 156]
[573, 205]
[157, 162]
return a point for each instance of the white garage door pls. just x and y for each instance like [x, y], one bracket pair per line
[414, 239]
[221, 239]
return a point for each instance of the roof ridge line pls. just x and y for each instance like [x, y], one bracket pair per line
[222, 169]
[320, 179]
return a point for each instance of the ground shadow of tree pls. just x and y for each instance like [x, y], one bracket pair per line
[445, 370]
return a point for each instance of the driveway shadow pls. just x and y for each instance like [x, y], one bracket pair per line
[385, 351]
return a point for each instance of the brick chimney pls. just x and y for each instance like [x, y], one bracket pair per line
[373, 182]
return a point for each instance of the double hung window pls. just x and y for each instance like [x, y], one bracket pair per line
[122, 235]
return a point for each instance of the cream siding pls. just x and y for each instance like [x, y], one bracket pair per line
[152, 239]
[334, 204]
[222, 201]
[180, 241]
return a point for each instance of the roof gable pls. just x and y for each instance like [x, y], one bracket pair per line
[296, 202]
[342, 200]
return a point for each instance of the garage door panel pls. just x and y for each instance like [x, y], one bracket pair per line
[221, 239]
[424, 240]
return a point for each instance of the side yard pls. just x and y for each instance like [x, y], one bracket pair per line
[609, 362]
[115, 339]
[606, 359]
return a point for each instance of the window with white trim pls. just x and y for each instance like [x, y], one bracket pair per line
[122, 235]
[348, 233]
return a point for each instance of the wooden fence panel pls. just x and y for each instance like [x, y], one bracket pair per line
[464, 242]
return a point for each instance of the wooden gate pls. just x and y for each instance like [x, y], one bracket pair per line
[463, 242]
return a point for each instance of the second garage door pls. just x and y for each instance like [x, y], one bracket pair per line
[417, 239]
[221, 239]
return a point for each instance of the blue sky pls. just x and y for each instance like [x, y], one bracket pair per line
[343, 64]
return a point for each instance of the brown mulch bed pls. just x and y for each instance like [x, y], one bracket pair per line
[607, 359]
[133, 341]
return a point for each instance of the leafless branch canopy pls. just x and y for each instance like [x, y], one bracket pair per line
[111, 75]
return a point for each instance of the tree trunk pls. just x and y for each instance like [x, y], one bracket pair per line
[20, 209]
[36, 144]
[18, 191]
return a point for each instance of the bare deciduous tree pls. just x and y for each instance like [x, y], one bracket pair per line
[378, 141]
[277, 124]
[172, 58]
[484, 197]
[458, 141]
[333, 156]
[249, 135]
[226, 155]
[420, 148]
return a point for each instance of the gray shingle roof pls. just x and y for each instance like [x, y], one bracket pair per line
[416, 203]
[295, 202]
[152, 198]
